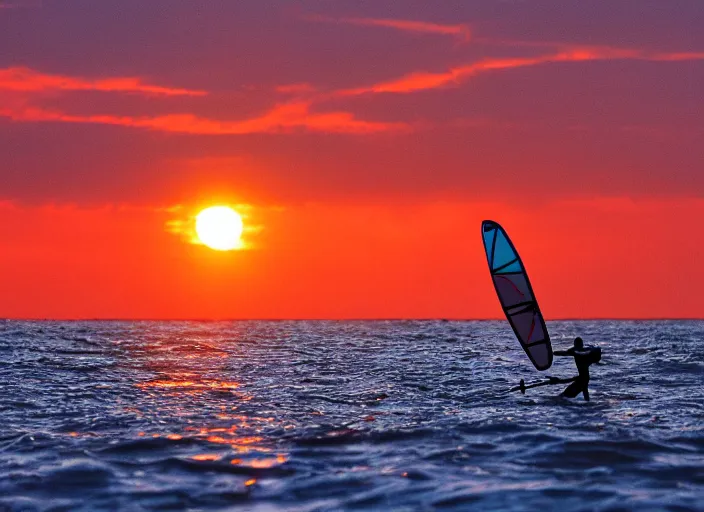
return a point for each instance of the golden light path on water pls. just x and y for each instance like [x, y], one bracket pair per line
[237, 439]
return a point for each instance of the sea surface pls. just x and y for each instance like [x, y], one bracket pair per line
[328, 416]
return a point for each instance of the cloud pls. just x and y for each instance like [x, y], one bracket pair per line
[280, 119]
[27, 80]
[419, 81]
[677, 57]
[285, 117]
[459, 31]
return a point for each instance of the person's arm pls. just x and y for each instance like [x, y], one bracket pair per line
[568, 352]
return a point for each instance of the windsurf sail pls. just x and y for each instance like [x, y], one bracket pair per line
[516, 295]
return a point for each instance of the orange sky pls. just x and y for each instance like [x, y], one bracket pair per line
[364, 145]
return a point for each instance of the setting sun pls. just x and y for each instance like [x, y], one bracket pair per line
[220, 228]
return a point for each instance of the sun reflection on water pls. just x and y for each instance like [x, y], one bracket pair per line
[189, 386]
[205, 457]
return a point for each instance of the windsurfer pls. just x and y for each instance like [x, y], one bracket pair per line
[583, 358]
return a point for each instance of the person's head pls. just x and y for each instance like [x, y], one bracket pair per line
[578, 343]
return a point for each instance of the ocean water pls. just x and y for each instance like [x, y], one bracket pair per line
[317, 416]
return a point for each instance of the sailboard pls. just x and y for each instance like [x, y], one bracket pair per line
[516, 295]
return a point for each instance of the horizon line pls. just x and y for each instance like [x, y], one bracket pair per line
[350, 319]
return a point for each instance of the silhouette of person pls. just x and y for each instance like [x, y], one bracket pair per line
[583, 357]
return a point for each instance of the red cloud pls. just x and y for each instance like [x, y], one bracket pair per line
[461, 31]
[676, 57]
[419, 81]
[282, 118]
[28, 80]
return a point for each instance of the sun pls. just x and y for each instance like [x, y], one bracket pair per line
[220, 228]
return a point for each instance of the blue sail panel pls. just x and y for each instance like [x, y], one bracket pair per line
[503, 252]
[489, 235]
